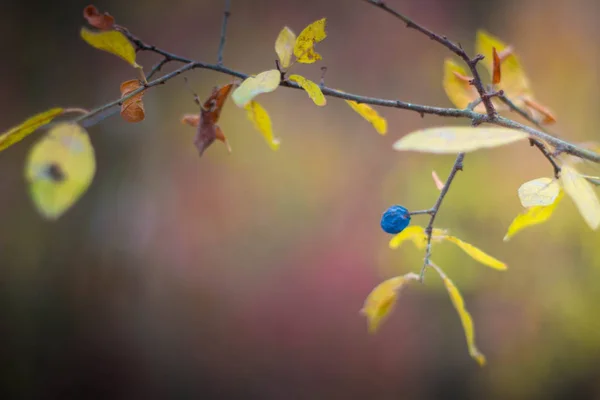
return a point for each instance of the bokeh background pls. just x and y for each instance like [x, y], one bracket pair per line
[241, 276]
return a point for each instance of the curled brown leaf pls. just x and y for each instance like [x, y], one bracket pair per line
[103, 22]
[132, 109]
[497, 73]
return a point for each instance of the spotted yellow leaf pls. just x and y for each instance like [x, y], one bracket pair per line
[262, 122]
[477, 254]
[532, 216]
[368, 113]
[59, 169]
[284, 46]
[313, 90]
[538, 192]
[381, 300]
[465, 317]
[304, 46]
[30, 125]
[583, 195]
[113, 42]
[452, 140]
[264, 82]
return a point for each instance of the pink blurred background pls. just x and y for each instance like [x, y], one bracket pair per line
[242, 275]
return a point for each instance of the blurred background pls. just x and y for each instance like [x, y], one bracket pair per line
[242, 275]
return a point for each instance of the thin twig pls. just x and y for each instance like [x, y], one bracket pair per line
[226, 15]
[458, 166]
[450, 45]
[157, 67]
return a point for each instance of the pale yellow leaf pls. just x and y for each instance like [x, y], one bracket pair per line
[113, 42]
[381, 300]
[514, 80]
[304, 46]
[60, 168]
[531, 216]
[264, 82]
[284, 46]
[477, 254]
[313, 90]
[30, 125]
[368, 113]
[262, 122]
[538, 192]
[456, 85]
[465, 319]
[416, 234]
[583, 195]
[451, 140]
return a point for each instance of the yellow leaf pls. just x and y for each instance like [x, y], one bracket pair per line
[284, 46]
[304, 47]
[514, 80]
[380, 301]
[456, 84]
[60, 168]
[417, 235]
[313, 90]
[465, 318]
[368, 113]
[477, 254]
[264, 82]
[112, 41]
[538, 192]
[583, 195]
[17, 133]
[451, 140]
[531, 216]
[262, 122]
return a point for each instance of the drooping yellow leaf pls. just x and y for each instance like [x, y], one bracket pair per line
[531, 216]
[59, 169]
[538, 192]
[17, 133]
[264, 82]
[417, 235]
[262, 122]
[113, 42]
[313, 90]
[284, 46]
[514, 80]
[304, 47]
[477, 254]
[452, 140]
[380, 301]
[368, 113]
[457, 87]
[465, 317]
[583, 195]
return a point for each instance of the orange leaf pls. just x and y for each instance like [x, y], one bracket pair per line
[103, 22]
[497, 75]
[548, 117]
[191, 120]
[132, 109]
[214, 104]
[220, 136]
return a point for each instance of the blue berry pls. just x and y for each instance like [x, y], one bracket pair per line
[395, 219]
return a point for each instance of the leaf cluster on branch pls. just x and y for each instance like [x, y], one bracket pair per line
[61, 165]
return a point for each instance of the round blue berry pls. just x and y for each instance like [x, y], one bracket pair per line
[395, 219]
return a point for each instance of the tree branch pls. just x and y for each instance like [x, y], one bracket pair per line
[458, 166]
[226, 15]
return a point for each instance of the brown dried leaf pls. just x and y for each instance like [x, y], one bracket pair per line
[214, 104]
[548, 117]
[497, 75]
[191, 120]
[103, 22]
[132, 109]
